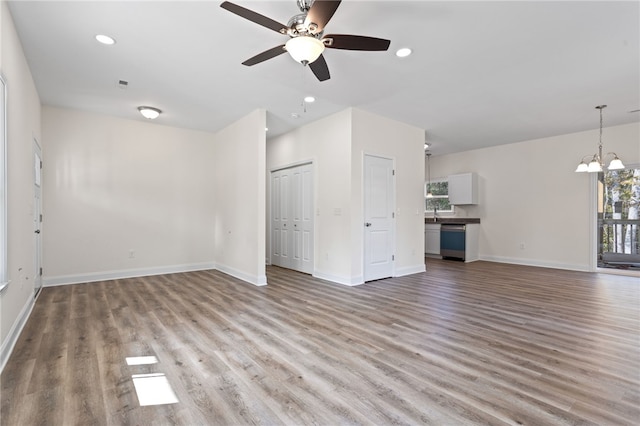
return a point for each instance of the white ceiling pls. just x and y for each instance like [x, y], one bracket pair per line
[482, 73]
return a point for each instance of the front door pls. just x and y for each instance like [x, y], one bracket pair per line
[379, 235]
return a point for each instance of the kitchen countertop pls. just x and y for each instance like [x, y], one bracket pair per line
[452, 220]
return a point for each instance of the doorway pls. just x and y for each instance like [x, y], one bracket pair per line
[292, 219]
[379, 207]
[618, 219]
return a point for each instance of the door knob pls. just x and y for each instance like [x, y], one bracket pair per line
[367, 224]
[37, 231]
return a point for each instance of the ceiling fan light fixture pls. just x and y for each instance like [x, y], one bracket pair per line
[304, 49]
[148, 112]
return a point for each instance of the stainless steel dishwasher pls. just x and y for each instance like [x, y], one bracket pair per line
[452, 240]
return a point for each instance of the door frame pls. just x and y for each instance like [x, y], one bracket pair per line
[37, 218]
[393, 208]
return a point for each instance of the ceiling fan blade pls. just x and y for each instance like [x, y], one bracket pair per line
[320, 68]
[320, 13]
[254, 17]
[267, 54]
[355, 42]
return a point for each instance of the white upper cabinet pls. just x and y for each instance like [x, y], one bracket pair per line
[463, 189]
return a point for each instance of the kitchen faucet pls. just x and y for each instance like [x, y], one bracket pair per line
[435, 213]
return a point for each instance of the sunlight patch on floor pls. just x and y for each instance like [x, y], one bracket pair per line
[153, 389]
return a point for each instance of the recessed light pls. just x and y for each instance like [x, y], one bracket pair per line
[266, 129]
[403, 52]
[309, 99]
[105, 39]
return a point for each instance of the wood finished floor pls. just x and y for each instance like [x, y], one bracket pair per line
[478, 343]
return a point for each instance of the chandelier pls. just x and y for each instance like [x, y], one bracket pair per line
[597, 160]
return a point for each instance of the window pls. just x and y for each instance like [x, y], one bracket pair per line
[440, 200]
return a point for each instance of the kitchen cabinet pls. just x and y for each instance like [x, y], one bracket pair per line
[463, 189]
[432, 238]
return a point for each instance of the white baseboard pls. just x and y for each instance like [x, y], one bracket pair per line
[350, 281]
[410, 270]
[9, 343]
[536, 262]
[126, 273]
[251, 279]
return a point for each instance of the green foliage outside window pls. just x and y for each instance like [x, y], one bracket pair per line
[440, 200]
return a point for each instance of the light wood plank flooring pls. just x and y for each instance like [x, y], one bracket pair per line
[478, 343]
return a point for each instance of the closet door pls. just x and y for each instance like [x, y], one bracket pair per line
[302, 217]
[280, 218]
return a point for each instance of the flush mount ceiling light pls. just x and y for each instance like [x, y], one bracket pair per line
[597, 160]
[403, 52]
[304, 49]
[309, 99]
[105, 39]
[149, 112]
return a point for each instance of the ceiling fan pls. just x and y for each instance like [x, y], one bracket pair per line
[306, 31]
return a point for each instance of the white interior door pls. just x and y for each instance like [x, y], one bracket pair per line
[37, 218]
[302, 217]
[292, 218]
[280, 219]
[379, 230]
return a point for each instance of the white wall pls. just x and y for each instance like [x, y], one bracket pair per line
[336, 145]
[529, 193]
[239, 186]
[114, 186]
[326, 142]
[23, 124]
[404, 144]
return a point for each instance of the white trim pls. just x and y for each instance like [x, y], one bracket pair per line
[593, 221]
[10, 342]
[410, 270]
[538, 263]
[257, 280]
[291, 165]
[4, 263]
[126, 273]
[613, 271]
[344, 280]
